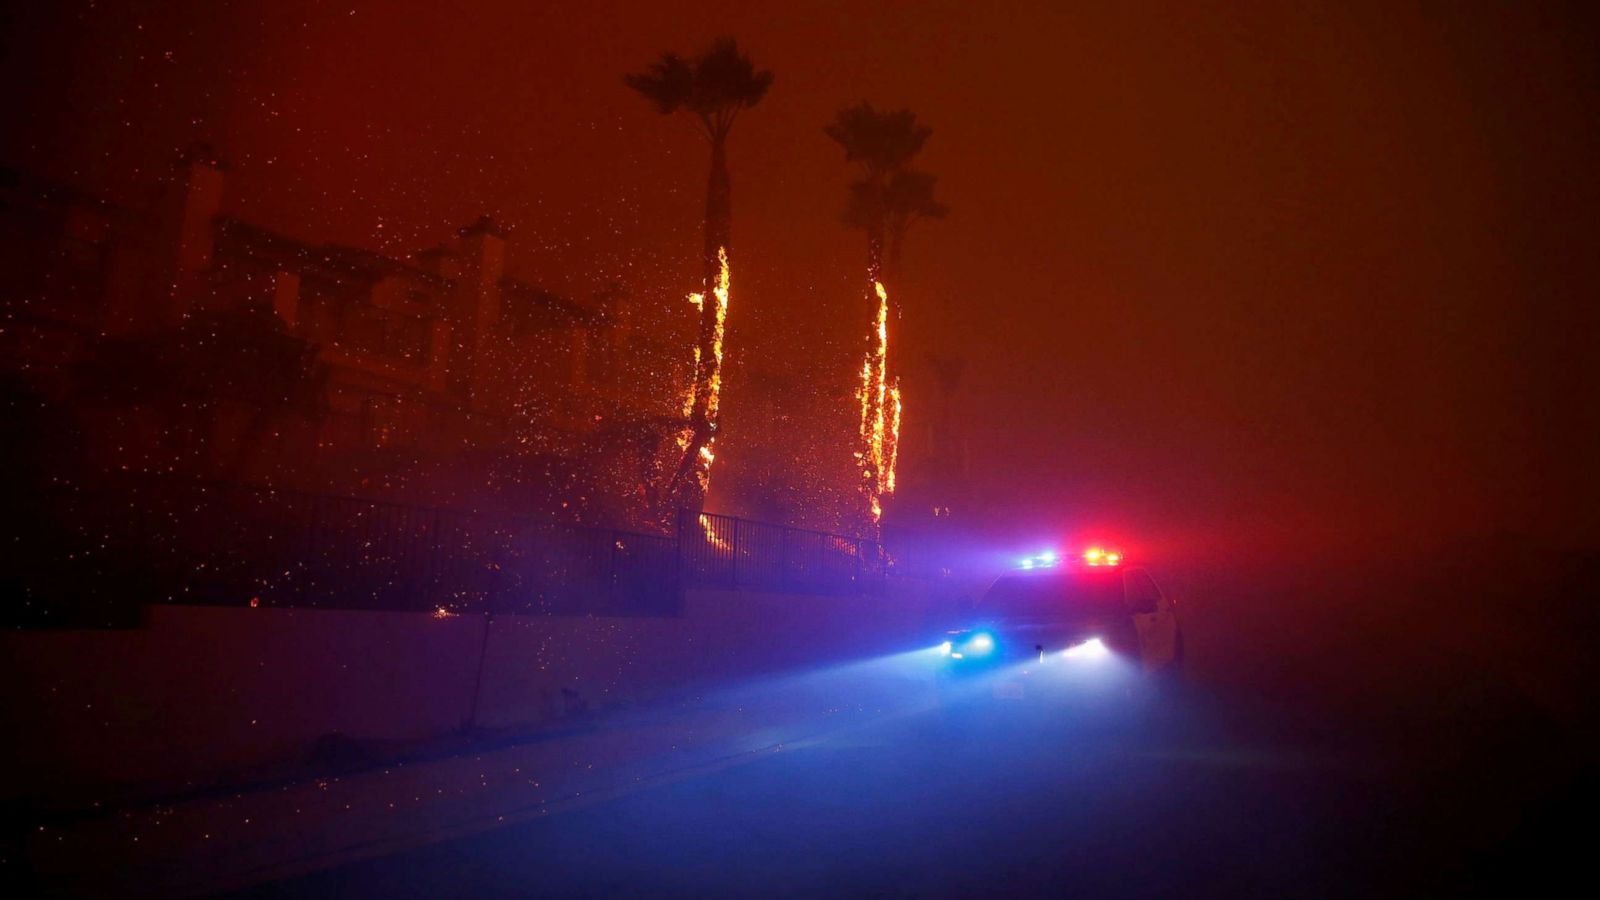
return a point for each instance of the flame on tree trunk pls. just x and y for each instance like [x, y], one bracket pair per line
[693, 476]
[880, 394]
[886, 198]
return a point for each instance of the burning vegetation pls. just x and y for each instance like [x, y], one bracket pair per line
[884, 201]
[880, 415]
[713, 88]
[705, 393]
[442, 379]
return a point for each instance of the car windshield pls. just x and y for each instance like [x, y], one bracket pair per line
[1050, 595]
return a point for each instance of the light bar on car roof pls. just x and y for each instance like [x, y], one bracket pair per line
[1044, 560]
[1095, 556]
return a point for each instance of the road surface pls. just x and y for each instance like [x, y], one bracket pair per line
[1196, 795]
[1341, 733]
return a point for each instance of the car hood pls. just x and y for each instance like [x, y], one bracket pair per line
[1022, 635]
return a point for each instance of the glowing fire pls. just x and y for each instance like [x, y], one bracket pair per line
[694, 374]
[894, 435]
[721, 293]
[707, 386]
[880, 415]
[720, 543]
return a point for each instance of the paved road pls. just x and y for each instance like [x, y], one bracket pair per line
[1198, 795]
[1342, 734]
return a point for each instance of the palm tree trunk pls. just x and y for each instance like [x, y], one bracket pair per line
[719, 212]
[875, 244]
[876, 366]
[719, 225]
[685, 489]
[896, 241]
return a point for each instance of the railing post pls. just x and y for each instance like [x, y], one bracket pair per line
[497, 557]
[679, 550]
[783, 559]
[688, 553]
[477, 681]
[611, 575]
[434, 581]
[857, 579]
[735, 545]
[312, 571]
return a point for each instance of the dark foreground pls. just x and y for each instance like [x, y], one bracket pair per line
[901, 809]
[1395, 731]
[1436, 778]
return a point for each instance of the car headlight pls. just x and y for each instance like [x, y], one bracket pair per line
[965, 646]
[1093, 648]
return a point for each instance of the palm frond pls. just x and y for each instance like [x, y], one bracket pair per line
[668, 83]
[713, 86]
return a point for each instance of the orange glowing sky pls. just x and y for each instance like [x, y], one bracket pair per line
[1307, 269]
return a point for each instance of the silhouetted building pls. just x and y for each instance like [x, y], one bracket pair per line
[184, 340]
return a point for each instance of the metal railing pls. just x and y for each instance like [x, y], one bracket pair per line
[722, 551]
[177, 541]
[181, 541]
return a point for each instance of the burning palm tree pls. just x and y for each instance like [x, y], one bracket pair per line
[887, 198]
[713, 89]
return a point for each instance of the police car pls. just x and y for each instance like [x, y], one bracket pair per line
[1067, 614]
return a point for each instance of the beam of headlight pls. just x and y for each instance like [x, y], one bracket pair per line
[839, 700]
[1092, 649]
[804, 703]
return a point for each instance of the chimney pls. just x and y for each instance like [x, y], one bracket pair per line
[481, 251]
[437, 260]
[196, 201]
[286, 298]
[438, 358]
